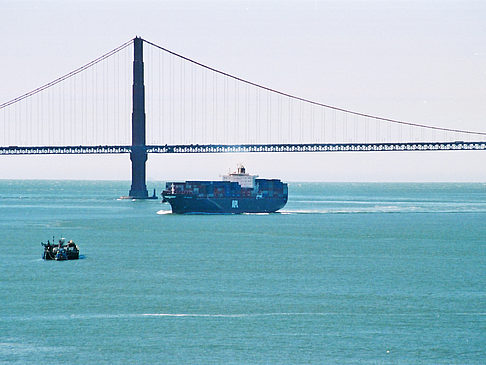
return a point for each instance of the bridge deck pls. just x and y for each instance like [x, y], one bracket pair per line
[309, 147]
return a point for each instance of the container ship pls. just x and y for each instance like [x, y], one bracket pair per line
[238, 192]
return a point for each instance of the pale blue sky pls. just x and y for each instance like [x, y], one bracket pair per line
[421, 61]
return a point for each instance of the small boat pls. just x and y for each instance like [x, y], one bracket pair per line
[61, 251]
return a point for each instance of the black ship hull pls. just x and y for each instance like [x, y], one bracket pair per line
[182, 204]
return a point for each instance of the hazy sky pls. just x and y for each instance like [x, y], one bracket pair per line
[421, 61]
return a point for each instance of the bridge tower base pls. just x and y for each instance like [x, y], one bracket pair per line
[138, 190]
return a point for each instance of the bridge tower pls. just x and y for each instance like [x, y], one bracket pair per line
[138, 155]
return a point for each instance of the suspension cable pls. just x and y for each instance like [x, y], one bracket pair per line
[66, 76]
[311, 101]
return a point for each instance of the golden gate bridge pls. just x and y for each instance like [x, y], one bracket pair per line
[178, 105]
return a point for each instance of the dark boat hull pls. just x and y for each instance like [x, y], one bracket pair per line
[51, 254]
[236, 205]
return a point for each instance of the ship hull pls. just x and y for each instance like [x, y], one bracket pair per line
[235, 205]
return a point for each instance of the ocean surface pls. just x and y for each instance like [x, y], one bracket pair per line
[344, 274]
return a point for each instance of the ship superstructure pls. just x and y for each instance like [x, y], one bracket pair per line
[241, 177]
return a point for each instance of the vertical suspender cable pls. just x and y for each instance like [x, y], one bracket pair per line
[215, 118]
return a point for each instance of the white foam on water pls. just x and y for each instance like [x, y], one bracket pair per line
[304, 211]
[163, 211]
[98, 316]
[293, 314]
[193, 315]
[242, 315]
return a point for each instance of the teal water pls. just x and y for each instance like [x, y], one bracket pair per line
[346, 273]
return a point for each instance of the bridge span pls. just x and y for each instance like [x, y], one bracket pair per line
[188, 107]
